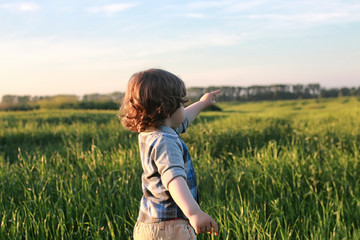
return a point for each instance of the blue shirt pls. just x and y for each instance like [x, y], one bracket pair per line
[164, 156]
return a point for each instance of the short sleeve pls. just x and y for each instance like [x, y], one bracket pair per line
[167, 155]
[183, 126]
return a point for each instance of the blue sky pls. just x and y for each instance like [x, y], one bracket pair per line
[81, 47]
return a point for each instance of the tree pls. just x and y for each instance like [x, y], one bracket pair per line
[9, 99]
[314, 89]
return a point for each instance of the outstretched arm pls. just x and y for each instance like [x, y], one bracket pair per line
[200, 221]
[207, 100]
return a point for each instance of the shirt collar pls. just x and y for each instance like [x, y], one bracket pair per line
[166, 129]
[161, 129]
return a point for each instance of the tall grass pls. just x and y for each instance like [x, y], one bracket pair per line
[267, 170]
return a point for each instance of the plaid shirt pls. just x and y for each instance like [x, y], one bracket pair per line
[164, 156]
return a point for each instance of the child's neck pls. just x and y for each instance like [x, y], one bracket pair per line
[150, 129]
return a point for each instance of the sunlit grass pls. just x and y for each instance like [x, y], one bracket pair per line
[267, 170]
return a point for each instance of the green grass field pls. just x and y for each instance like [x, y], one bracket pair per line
[266, 170]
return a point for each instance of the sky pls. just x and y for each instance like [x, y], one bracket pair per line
[50, 47]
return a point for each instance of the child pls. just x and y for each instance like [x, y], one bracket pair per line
[154, 106]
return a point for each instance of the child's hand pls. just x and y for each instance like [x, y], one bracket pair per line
[209, 98]
[203, 223]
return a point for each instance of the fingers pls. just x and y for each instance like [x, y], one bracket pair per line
[214, 226]
[204, 229]
[210, 95]
[213, 93]
[209, 228]
[203, 223]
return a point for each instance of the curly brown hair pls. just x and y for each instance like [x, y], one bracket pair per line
[151, 96]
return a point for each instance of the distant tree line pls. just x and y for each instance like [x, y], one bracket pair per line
[228, 93]
[89, 101]
[273, 92]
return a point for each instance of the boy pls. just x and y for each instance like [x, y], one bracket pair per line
[154, 106]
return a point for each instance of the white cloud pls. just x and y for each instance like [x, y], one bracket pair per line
[186, 42]
[195, 15]
[246, 6]
[306, 17]
[296, 11]
[21, 6]
[206, 4]
[110, 9]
